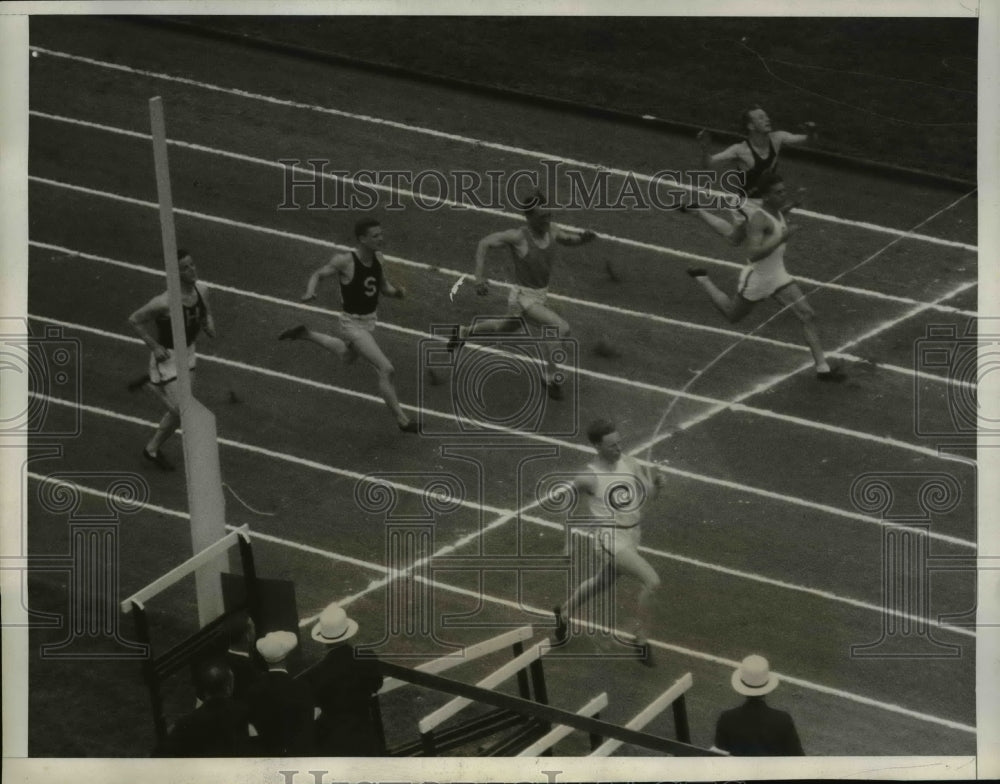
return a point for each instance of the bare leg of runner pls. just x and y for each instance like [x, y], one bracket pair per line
[583, 593]
[792, 297]
[733, 308]
[366, 347]
[542, 316]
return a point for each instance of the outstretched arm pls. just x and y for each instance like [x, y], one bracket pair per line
[564, 237]
[652, 477]
[708, 160]
[808, 135]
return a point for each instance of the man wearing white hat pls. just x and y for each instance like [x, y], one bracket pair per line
[280, 707]
[755, 729]
[342, 686]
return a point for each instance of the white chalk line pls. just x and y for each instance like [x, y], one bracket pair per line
[735, 486]
[727, 663]
[651, 247]
[478, 143]
[703, 478]
[889, 324]
[421, 265]
[716, 405]
[457, 274]
[771, 383]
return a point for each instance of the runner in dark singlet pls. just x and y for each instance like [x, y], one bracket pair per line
[755, 156]
[761, 165]
[152, 323]
[194, 315]
[362, 280]
[359, 295]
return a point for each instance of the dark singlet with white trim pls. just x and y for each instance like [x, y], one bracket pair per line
[193, 316]
[360, 296]
[761, 166]
[535, 269]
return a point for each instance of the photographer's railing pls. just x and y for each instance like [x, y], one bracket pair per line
[484, 726]
[543, 746]
[530, 659]
[514, 638]
[674, 696]
[538, 718]
[156, 669]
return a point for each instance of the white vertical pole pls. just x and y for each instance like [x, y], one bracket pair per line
[206, 503]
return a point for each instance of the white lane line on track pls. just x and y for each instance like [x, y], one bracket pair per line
[455, 273]
[716, 405]
[811, 505]
[773, 382]
[694, 257]
[727, 663]
[703, 478]
[479, 143]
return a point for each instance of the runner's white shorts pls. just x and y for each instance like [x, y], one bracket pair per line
[161, 373]
[352, 325]
[614, 539]
[756, 285]
[521, 299]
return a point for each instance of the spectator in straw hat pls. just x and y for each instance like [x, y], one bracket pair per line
[280, 707]
[342, 685]
[755, 729]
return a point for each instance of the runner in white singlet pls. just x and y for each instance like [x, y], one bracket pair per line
[617, 489]
[765, 275]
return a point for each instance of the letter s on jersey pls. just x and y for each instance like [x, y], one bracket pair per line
[370, 289]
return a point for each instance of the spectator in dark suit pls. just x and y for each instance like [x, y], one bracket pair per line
[280, 707]
[219, 727]
[755, 729]
[342, 685]
[240, 656]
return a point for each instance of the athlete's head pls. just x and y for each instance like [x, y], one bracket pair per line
[755, 120]
[603, 435]
[368, 232]
[772, 189]
[185, 267]
[533, 207]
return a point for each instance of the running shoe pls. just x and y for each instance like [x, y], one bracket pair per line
[294, 333]
[159, 460]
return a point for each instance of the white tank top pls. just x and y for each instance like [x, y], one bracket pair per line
[774, 262]
[618, 494]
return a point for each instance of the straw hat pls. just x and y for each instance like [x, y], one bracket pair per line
[334, 626]
[754, 677]
[275, 646]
